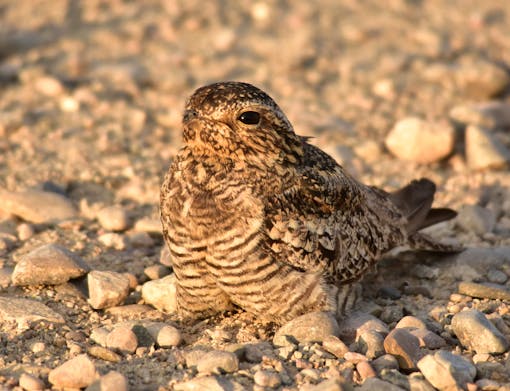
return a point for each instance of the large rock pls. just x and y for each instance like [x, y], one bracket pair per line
[161, 293]
[25, 311]
[447, 371]
[37, 206]
[476, 332]
[50, 264]
[79, 372]
[107, 288]
[314, 326]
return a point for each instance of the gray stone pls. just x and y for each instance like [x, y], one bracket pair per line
[419, 141]
[23, 312]
[107, 288]
[113, 218]
[218, 361]
[371, 344]
[314, 326]
[445, 370]
[78, 372]
[428, 339]
[161, 293]
[485, 290]
[477, 333]
[484, 151]
[112, 381]
[34, 268]
[386, 361]
[493, 114]
[37, 206]
[477, 219]
[496, 276]
[373, 383]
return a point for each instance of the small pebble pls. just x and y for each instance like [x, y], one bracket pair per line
[386, 361]
[371, 344]
[411, 321]
[106, 288]
[113, 218]
[30, 382]
[104, 353]
[484, 151]
[428, 339]
[479, 79]
[161, 293]
[218, 361]
[140, 239]
[492, 114]
[155, 272]
[165, 335]
[476, 332]
[419, 141]
[356, 323]
[38, 347]
[365, 370]
[112, 381]
[25, 231]
[314, 326]
[113, 240]
[78, 372]
[265, 378]
[122, 339]
[335, 346]
[497, 276]
[475, 218]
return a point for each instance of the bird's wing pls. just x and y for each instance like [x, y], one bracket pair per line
[330, 223]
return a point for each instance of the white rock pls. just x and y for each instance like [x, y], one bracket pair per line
[420, 141]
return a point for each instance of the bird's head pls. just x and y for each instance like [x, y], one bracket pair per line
[238, 121]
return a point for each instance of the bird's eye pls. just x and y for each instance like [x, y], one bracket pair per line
[249, 118]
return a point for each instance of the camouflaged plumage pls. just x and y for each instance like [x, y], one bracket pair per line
[256, 217]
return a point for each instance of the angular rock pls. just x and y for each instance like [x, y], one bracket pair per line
[445, 370]
[155, 272]
[78, 372]
[493, 114]
[25, 311]
[419, 141]
[218, 361]
[371, 344]
[356, 323]
[107, 288]
[33, 268]
[404, 346]
[113, 218]
[37, 206]
[484, 151]
[477, 333]
[485, 290]
[335, 346]
[314, 326]
[112, 381]
[161, 293]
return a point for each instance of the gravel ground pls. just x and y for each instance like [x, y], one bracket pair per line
[90, 109]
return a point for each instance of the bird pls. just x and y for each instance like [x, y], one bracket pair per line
[258, 218]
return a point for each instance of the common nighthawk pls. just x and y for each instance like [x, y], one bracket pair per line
[256, 217]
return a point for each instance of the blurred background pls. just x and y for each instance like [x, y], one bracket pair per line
[94, 90]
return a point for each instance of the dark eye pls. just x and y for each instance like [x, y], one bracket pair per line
[249, 118]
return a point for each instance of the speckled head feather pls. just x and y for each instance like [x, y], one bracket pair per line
[256, 217]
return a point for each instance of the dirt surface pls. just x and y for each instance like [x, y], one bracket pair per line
[91, 96]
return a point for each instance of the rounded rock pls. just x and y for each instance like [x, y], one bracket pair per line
[30, 382]
[218, 361]
[476, 332]
[161, 293]
[314, 326]
[113, 218]
[122, 339]
[265, 378]
[112, 381]
[404, 346]
[79, 372]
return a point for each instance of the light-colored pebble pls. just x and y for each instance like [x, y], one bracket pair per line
[492, 114]
[32, 269]
[38, 347]
[161, 293]
[107, 288]
[484, 151]
[404, 346]
[356, 323]
[314, 326]
[25, 311]
[113, 218]
[112, 381]
[419, 141]
[496, 276]
[209, 383]
[25, 231]
[113, 240]
[104, 353]
[266, 378]
[122, 339]
[37, 206]
[479, 79]
[335, 346]
[78, 372]
[155, 272]
[411, 321]
[5, 277]
[30, 382]
[149, 225]
[48, 86]
[476, 332]
[373, 383]
[218, 361]
[445, 370]
[165, 335]
[365, 370]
